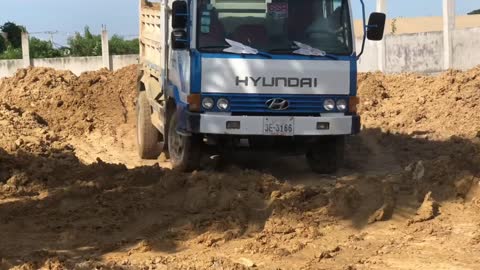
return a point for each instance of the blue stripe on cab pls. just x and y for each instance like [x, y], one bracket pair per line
[256, 103]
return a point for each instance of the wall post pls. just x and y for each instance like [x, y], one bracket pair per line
[27, 61]
[382, 44]
[448, 29]
[106, 59]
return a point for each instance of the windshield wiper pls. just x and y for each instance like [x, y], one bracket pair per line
[237, 48]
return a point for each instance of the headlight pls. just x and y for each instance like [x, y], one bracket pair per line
[208, 103]
[342, 105]
[223, 104]
[329, 104]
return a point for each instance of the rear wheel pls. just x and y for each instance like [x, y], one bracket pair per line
[327, 154]
[147, 134]
[184, 151]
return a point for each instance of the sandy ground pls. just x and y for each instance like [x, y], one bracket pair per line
[74, 195]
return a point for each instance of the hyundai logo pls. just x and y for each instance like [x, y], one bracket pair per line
[277, 104]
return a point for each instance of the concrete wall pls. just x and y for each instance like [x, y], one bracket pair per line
[9, 67]
[76, 64]
[369, 60]
[120, 61]
[421, 52]
[466, 48]
[406, 25]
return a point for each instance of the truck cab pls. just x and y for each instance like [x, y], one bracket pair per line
[263, 74]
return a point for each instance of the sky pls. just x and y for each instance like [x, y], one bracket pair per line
[120, 16]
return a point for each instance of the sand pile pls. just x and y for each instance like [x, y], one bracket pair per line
[72, 105]
[439, 106]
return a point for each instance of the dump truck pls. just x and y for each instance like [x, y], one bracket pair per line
[275, 75]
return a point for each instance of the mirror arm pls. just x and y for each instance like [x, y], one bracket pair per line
[365, 29]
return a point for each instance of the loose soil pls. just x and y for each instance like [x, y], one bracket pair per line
[74, 194]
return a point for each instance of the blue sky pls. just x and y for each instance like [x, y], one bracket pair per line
[120, 16]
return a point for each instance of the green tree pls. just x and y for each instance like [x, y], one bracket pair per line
[474, 12]
[87, 44]
[3, 44]
[14, 33]
[43, 49]
[120, 46]
[394, 26]
[11, 53]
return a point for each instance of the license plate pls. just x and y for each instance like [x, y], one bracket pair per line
[278, 126]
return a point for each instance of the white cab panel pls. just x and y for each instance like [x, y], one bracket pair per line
[266, 76]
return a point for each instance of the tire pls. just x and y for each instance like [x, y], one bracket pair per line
[184, 151]
[147, 134]
[326, 156]
[140, 86]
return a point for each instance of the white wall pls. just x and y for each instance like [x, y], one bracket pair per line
[120, 61]
[466, 48]
[9, 67]
[369, 60]
[76, 64]
[421, 52]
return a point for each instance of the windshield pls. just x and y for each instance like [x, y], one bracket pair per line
[275, 26]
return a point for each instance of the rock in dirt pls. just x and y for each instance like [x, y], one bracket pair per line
[328, 254]
[427, 211]
[344, 200]
[385, 212]
[246, 262]
[464, 184]
[419, 171]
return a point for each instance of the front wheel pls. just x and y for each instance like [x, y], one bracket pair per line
[327, 154]
[184, 151]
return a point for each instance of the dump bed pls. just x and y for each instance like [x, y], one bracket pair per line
[152, 37]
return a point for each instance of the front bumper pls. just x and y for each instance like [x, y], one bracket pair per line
[253, 125]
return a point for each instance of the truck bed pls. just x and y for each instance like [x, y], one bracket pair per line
[151, 37]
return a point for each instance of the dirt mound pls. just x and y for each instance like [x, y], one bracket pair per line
[109, 208]
[62, 207]
[72, 105]
[430, 123]
[433, 106]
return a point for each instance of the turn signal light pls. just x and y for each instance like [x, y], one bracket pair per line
[194, 103]
[353, 103]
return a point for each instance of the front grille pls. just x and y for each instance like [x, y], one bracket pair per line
[253, 104]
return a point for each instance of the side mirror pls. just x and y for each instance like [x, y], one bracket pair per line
[179, 14]
[376, 26]
[179, 40]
